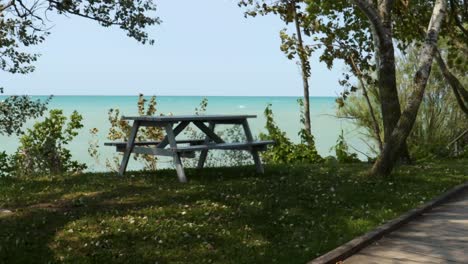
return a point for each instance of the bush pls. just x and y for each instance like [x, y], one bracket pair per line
[284, 150]
[342, 151]
[42, 148]
[7, 165]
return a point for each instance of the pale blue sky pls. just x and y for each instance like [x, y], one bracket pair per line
[202, 47]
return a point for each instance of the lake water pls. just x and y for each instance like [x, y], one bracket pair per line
[325, 126]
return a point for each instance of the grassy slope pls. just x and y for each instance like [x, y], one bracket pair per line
[227, 215]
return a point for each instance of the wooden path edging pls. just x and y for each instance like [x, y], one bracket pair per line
[346, 250]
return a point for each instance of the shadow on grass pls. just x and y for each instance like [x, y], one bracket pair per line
[224, 215]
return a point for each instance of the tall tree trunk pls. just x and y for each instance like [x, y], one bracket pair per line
[386, 161]
[304, 71]
[460, 93]
[380, 19]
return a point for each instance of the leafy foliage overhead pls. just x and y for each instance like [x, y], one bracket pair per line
[344, 32]
[26, 23]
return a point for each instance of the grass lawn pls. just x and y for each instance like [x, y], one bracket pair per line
[291, 214]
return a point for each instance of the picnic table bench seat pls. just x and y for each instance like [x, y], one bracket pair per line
[155, 143]
[259, 145]
[196, 145]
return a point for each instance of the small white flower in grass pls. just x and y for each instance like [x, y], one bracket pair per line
[183, 213]
[70, 231]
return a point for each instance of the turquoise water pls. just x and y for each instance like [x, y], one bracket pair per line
[325, 126]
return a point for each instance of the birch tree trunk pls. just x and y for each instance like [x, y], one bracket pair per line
[386, 161]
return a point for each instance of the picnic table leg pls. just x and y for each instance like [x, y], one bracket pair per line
[129, 148]
[177, 161]
[253, 151]
[204, 153]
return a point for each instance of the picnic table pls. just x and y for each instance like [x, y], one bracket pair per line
[174, 125]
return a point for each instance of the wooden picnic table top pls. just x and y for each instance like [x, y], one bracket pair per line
[180, 118]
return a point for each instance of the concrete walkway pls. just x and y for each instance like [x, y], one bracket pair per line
[439, 236]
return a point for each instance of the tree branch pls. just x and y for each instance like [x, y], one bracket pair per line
[57, 4]
[373, 15]
[457, 86]
[454, 14]
[371, 109]
[5, 7]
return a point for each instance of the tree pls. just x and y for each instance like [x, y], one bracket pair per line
[385, 162]
[290, 11]
[25, 23]
[16, 110]
[346, 33]
[439, 120]
[380, 20]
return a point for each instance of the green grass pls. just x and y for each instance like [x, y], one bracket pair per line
[291, 214]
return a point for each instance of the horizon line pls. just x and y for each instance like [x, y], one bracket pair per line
[167, 95]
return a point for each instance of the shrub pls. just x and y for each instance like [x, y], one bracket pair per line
[120, 131]
[42, 148]
[284, 150]
[7, 165]
[342, 151]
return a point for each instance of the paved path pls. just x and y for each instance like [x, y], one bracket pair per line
[439, 236]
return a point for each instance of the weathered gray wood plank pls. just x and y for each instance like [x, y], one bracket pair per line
[401, 254]
[150, 143]
[370, 259]
[129, 148]
[204, 153]
[190, 118]
[176, 156]
[452, 252]
[232, 146]
[176, 131]
[208, 132]
[159, 152]
[253, 151]
[438, 236]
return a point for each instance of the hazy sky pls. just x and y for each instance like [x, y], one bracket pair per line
[202, 48]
